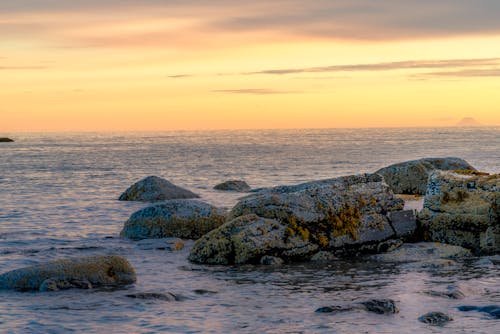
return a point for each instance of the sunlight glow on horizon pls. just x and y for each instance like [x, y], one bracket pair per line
[76, 70]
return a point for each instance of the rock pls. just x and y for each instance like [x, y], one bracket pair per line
[410, 177]
[463, 208]
[435, 318]
[84, 272]
[6, 140]
[342, 214]
[204, 292]
[492, 310]
[452, 292]
[186, 219]
[323, 256]
[333, 309]
[271, 260]
[154, 188]
[168, 244]
[404, 223]
[423, 252]
[381, 306]
[168, 297]
[233, 185]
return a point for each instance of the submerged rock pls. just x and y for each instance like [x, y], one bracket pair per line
[410, 177]
[492, 310]
[333, 309]
[271, 260]
[168, 297]
[233, 185]
[463, 208]
[186, 219]
[423, 252]
[435, 318]
[6, 140]
[84, 273]
[381, 306]
[153, 188]
[345, 214]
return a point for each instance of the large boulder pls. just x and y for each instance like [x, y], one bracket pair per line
[6, 140]
[153, 188]
[186, 219]
[233, 185]
[71, 273]
[346, 214]
[410, 177]
[463, 208]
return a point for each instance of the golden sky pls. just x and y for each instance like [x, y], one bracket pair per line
[168, 65]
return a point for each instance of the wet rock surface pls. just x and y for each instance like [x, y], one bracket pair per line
[410, 177]
[381, 306]
[492, 310]
[463, 208]
[423, 252]
[83, 273]
[153, 188]
[233, 185]
[435, 318]
[186, 219]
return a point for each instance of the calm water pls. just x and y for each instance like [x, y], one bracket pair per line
[58, 199]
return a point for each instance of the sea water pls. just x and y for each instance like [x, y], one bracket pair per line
[58, 199]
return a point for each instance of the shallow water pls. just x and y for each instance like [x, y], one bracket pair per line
[58, 199]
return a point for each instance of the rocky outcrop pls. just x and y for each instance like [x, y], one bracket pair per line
[410, 177]
[84, 273]
[6, 140]
[186, 219]
[463, 208]
[348, 214]
[233, 185]
[153, 188]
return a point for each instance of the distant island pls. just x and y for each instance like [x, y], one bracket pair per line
[6, 140]
[468, 121]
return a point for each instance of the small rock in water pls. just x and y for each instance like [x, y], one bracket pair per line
[381, 306]
[271, 261]
[435, 318]
[204, 292]
[233, 185]
[153, 188]
[333, 309]
[169, 297]
[492, 310]
[323, 256]
[6, 140]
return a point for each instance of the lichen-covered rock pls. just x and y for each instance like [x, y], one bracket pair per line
[422, 252]
[233, 185]
[185, 219]
[6, 140]
[153, 188]
[84, 273]
[410, 177]
[463, 208]
[345, 214]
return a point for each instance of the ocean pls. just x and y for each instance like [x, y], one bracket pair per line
[58, 199]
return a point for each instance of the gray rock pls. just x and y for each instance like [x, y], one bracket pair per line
[233, 185]
[84, 273]
[435, 318]
[381, 306]
[423, 252]
[153, 188]
[6, 140]
[404, 223]
[271, 260]
[410, 177]
[186, 219]
[463, 208]
[296, 222]
[323, 256]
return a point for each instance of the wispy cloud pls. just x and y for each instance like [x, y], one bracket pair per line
[180, 76]
[385, 66]
[254, 91]
[468, 73]
[14, 68]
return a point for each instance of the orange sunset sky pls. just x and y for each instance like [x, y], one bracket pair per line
[169, 65]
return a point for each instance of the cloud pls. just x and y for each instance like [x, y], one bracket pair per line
[385, 66]
[254, 91]
[467, 73]
[180, 76]
[14, 68]
[187, 23]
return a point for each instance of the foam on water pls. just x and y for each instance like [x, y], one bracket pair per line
[58, 199]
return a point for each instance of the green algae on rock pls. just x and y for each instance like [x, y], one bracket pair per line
[84, 272]
[185, 219]
[153, 188]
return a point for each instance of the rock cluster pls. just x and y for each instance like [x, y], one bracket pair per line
[410, 177]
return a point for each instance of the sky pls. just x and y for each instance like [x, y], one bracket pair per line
[148, 65]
